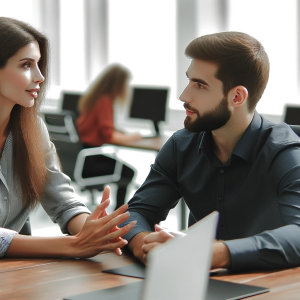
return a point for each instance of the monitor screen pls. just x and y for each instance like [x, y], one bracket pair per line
[70, 101]
[292, 115]
[149, 103]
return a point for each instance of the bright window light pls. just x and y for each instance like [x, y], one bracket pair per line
[142, 36]
[274, 24]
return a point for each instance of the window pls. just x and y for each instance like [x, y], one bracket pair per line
[142, 37]
[274, 24]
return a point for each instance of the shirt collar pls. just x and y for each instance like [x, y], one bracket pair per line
[247, 142]
[244, 147]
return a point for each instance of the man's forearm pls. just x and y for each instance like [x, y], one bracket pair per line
[136, 243]
[276, 248]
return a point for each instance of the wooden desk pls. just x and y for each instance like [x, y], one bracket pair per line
[59, 278]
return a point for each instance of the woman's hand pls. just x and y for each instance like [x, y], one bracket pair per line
[135, 136]
[104, 213]
[100, 232]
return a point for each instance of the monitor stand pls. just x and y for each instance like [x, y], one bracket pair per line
[156, 127]
[157, 131]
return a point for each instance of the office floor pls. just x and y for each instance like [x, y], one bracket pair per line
[140, 159]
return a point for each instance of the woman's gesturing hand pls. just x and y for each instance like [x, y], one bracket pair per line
[100, 232]
[104, 213]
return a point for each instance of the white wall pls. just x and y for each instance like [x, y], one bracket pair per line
[274, 24]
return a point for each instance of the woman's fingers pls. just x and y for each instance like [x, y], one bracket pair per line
[118, 251]
[113, 246]
[109, 225]
[114, 214]
[106, 193]
[122, 231]
[97, 211]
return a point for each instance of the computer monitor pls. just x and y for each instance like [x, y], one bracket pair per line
[149, 103]
[292, 115]
[70, 101]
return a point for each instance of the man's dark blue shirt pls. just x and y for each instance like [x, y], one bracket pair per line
[256, 192]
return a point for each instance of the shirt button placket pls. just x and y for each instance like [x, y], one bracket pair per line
[222, 229]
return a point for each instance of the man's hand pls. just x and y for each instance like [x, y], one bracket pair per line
[156, 238]
[220, 256]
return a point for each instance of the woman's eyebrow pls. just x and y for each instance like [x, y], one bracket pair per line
[27, 58]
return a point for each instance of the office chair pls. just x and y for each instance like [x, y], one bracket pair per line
[291, 114]
[296, 129]
[62, 129]
[70, 102]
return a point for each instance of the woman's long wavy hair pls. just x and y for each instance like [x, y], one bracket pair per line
[110, 83]
[28, 151]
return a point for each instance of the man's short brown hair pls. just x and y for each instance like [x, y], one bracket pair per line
[241, 60]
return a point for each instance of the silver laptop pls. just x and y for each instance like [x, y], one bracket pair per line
[181, 266]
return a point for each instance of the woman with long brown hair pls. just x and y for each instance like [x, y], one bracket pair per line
[95, 125]
[29, 168]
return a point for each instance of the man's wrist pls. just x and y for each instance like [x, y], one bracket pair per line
[221, 256]
[136, 243]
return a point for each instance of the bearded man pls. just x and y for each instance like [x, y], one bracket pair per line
[228, 159]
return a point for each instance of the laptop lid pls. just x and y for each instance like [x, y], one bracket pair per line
[180, 267]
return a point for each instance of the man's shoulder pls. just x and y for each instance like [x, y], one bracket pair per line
[275, 138]
[279, 134]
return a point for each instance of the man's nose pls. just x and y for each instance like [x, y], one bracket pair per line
[184, 96]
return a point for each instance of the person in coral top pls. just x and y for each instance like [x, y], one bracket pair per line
[95, 125]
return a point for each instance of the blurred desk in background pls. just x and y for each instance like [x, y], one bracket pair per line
[153, 144]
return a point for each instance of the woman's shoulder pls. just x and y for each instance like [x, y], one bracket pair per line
[104, 103]
[105, 99]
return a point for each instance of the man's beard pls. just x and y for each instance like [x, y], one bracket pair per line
[211, 120]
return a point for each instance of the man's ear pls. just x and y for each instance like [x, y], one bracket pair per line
[238, 95]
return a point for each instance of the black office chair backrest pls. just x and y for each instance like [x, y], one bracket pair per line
[64, 136]
[291, 114]
[296, 129]
[70, 102]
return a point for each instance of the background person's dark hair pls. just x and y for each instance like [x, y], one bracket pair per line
[111, 82]
[28, 153]
[241, 60]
